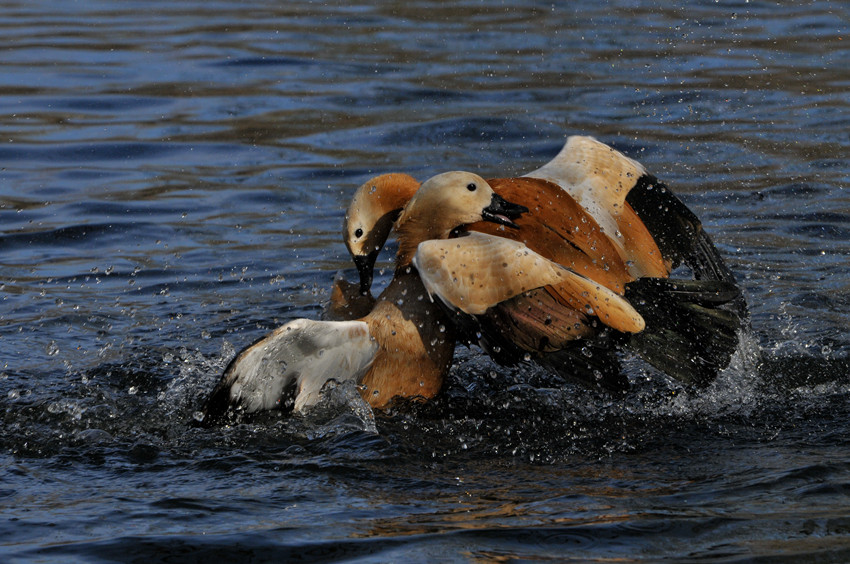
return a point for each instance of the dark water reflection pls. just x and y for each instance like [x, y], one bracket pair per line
[172, 180]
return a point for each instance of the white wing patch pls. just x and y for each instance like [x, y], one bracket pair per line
[596, 176]
[477, 271]
[304, 351]
[474, 272]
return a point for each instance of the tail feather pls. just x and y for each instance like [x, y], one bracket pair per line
[691, 326]
[707, 264]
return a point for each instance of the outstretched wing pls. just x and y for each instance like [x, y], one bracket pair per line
[596, 175]
[300, 356]
[476, 272]
[593, 173]
[599, 178]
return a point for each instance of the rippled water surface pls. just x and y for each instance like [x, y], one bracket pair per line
[172, 183]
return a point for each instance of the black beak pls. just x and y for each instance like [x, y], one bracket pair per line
[502, 211]
[366, 267]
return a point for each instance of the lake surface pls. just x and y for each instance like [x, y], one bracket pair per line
[172, 183]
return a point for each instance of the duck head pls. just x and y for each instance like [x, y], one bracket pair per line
[446, 202]
[369, 219]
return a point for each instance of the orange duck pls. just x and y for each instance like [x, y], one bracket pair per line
[603, 218]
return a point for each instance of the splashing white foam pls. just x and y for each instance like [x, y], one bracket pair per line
[341, 408]
[196, 376]
[734, 391]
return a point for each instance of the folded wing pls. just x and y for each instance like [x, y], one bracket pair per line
[476, 272]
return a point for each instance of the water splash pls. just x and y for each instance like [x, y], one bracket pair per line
[196, 374]
[736, 391]
[340, 409]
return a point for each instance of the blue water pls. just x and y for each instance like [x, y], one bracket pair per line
[172, 183]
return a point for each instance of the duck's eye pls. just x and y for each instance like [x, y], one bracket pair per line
[358, 232]
[471, 187]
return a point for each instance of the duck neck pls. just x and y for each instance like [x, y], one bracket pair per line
[412, 232]
[406, 307]
[415, 339]
[407, 296]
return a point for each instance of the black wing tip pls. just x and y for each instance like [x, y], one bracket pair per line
[693, 327]
[671, 223]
